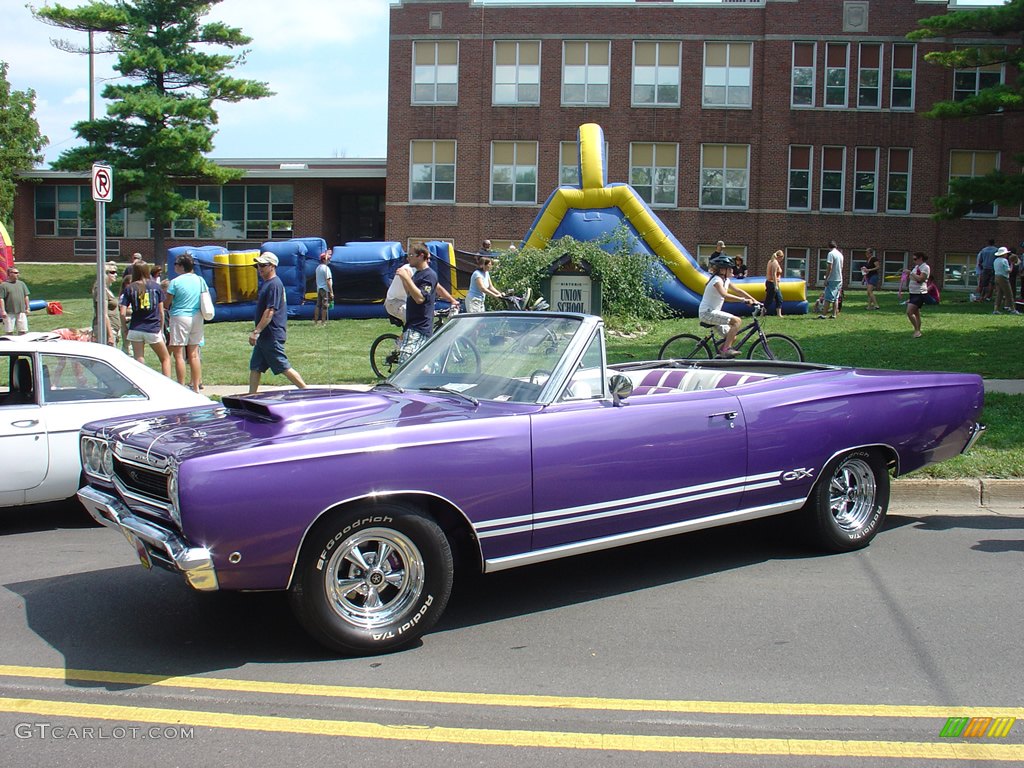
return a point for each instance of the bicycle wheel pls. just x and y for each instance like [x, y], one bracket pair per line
[384, 355]
[685, 346]
[462, 357]
[776, 346]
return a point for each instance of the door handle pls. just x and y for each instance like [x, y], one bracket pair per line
[25, 423]
[727, 415]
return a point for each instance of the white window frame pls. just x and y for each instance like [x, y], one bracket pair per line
[991, 210]
[861, 69]
[830, 71]
[594, 75]
[433, 165]
[796, 260]
[725, 171]
[913, 78]
[653, 172]
[890, 174]
[812, 70]
[822, 190]
[431, 74]
[975, 75]
[516, 169]
[857, 174]
[810, 178]
[893, 264]
[736, 79]
[663, 76]
[524, 76]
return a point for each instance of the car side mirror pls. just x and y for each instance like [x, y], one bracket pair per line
[621, 387]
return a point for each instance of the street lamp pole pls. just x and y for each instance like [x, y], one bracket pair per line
[92, 79]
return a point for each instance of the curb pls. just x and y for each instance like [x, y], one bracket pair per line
[976, 495]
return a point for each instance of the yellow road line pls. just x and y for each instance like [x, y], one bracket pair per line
[520, 738]
[509, 700]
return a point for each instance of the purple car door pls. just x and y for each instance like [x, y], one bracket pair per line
[656, 460]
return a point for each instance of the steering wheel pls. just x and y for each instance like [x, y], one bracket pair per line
[540, 376]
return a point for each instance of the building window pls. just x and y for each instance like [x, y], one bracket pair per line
[516, 73]
[514, 172]
[959, 273]
[802, 78]
[727, 74]
[893, 264]
[833, 177]
[433, 172]
[724, 175]
[968, 82]
[705, 252]
[244, 212]
[60, 212]
[586, 73]
[435, 72]
[897, 198]
[795, 264]
[837, 65]
[653, 172]
[904, 58]
[800, 168]
[869, 76]
[656, 68]
[569, 164]
[865, 179]
[969, 164]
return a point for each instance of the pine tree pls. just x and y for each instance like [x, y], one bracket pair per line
[159, 123]
[1005, 100]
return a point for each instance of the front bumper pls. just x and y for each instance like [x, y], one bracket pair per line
[160, 546]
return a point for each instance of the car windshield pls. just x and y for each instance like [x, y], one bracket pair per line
[506, 356]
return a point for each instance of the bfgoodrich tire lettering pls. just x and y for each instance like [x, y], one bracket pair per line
[847, 506]
[372, 579]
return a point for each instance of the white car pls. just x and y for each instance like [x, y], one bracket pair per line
[49, 388]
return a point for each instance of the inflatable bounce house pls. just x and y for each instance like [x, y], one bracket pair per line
[594, 209]
[361, 272]
[6, 251]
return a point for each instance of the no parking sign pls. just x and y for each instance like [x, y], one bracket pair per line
[102, 183]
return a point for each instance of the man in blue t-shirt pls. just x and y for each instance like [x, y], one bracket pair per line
[421, 287]
[268, 337]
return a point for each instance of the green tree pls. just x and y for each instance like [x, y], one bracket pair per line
[160, 118]
[21, 144]
[1005, 100]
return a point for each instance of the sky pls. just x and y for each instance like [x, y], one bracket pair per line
[326, 60]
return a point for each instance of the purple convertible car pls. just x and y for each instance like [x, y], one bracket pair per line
[506, 440]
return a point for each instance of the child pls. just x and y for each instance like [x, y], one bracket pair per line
[715, 295]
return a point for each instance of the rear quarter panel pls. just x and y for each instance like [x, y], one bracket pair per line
[800, 422]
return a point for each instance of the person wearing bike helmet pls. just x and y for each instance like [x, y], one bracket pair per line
[716, 293]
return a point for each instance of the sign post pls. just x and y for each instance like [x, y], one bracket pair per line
[102, 193]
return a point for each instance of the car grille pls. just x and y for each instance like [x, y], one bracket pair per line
[142, 480]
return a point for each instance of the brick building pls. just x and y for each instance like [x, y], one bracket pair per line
[340, 200]
[764, 123]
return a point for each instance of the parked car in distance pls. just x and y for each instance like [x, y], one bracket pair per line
[506, 440]
[48, 389]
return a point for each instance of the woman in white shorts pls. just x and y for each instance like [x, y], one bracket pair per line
[715, 294]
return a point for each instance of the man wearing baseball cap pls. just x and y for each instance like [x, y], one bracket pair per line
[268, 337]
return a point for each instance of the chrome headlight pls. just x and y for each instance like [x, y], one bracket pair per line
[97, 458]
[172, 494]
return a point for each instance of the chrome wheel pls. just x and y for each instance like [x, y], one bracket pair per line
[847, 507]
[374, 577]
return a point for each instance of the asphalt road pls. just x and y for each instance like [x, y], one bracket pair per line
[732, 647]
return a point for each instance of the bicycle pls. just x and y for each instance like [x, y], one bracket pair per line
[384, 349]
[766, 346]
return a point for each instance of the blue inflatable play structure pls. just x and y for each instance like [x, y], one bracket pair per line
[361, 273]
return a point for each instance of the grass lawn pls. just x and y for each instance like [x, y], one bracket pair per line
[958, 336]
